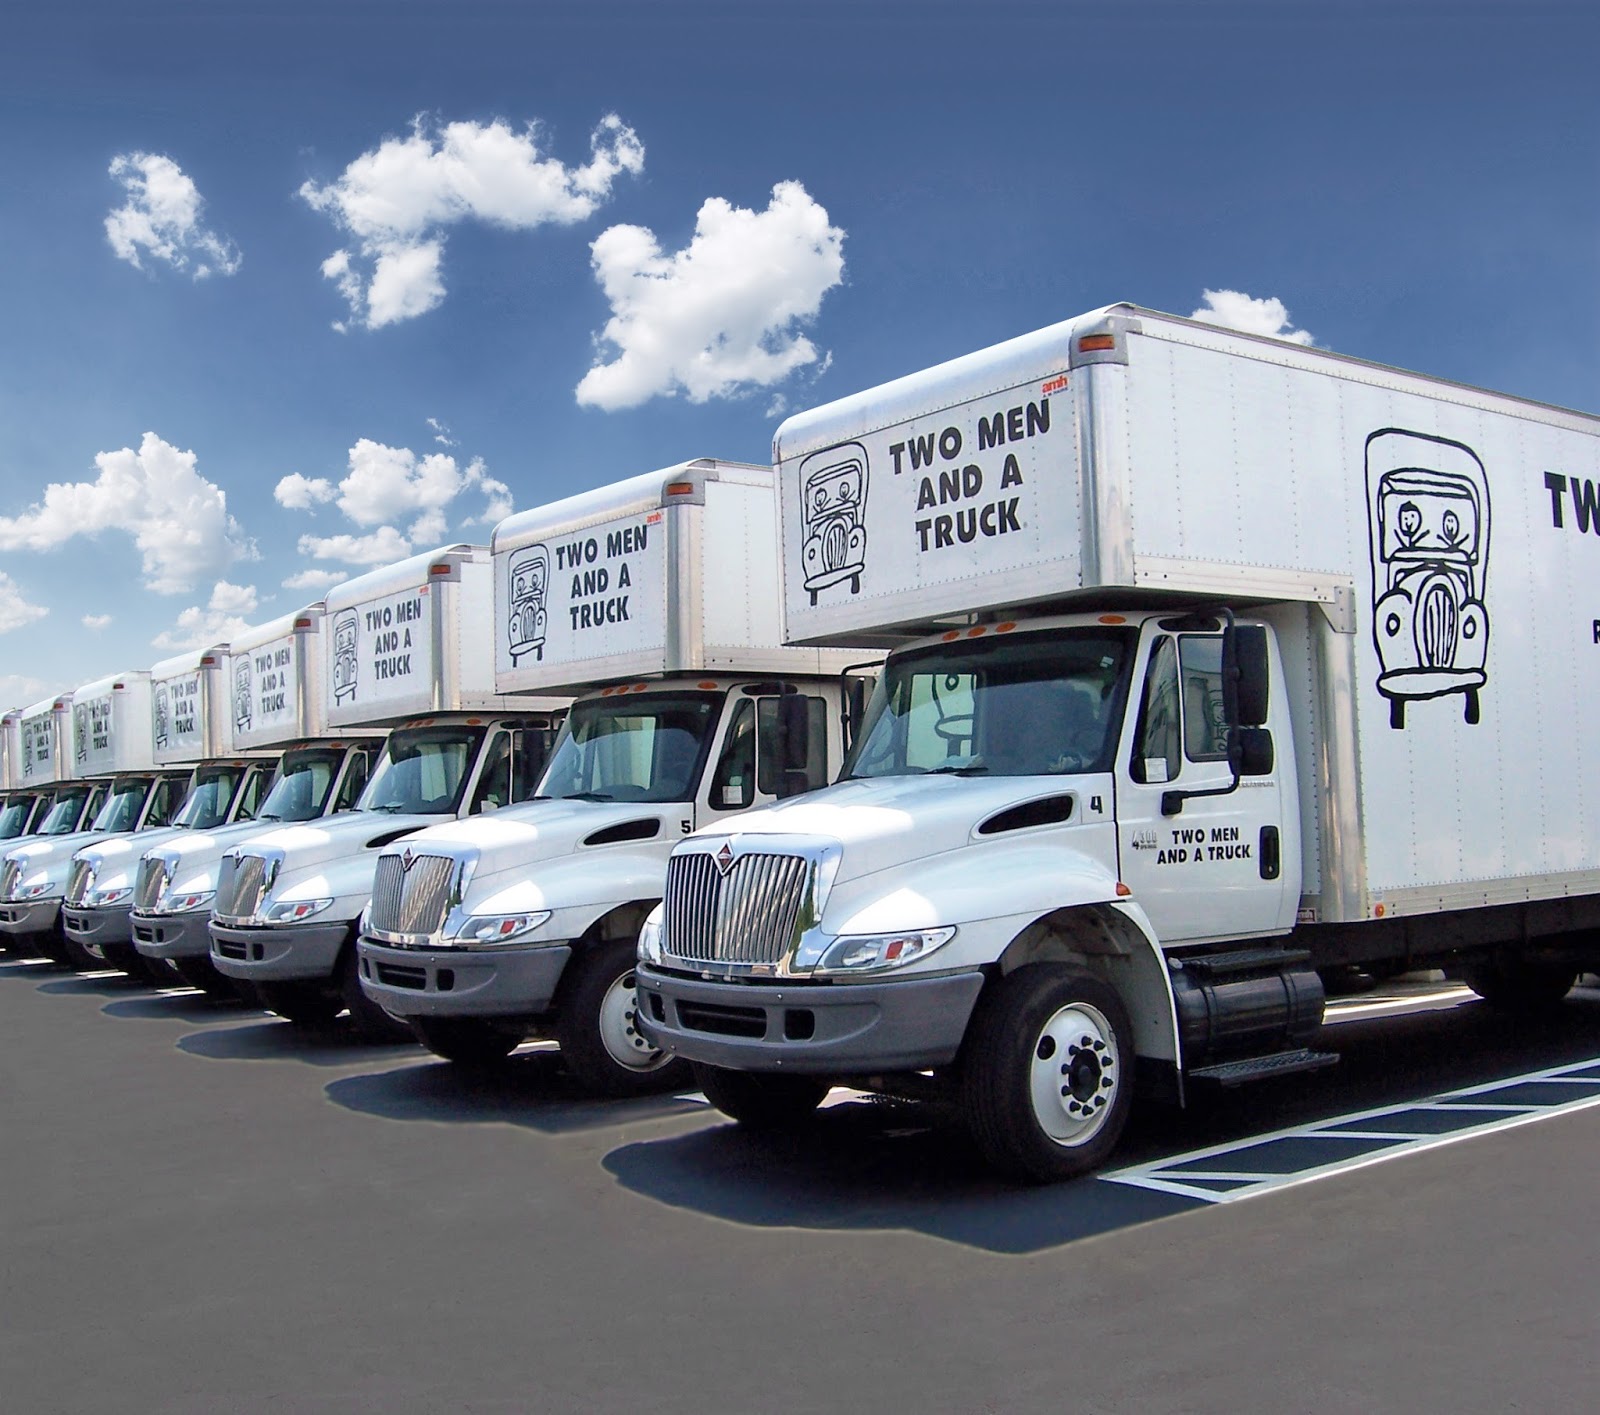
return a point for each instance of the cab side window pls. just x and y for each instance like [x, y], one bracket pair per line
[165, 800]
[1205, 723]
[355, 781]
[250, 794]
[769, 748]
[494, 782]
[733, 784]
[1157, 742]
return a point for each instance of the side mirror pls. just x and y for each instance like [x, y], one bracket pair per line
[1250, 751]
[1244, 675]
[794, 744]
[856, 690]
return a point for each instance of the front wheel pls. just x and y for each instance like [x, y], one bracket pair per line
[367, 1020]
[598, 1026]
[1521, 987]
[465, 1043]
[1046, 1073]
[304, 1004]
[759, 1101]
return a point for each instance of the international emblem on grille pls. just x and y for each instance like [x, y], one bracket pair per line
[724, 859]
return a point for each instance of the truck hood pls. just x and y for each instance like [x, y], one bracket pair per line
[51, 857]
[522, 835]
[336, 838]
[193, 857]
[115, 858]
[901, 817]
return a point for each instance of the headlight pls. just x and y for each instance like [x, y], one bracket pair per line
[188, 903]
[489, 929]
[650, 936]
[34, 889]
[105, 898]
[864, 953]
[294, 912]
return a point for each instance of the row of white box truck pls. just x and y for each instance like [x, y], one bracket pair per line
[1157, 670]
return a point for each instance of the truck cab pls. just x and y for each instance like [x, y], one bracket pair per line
[21, 813]
[522, 924]
[175, 883]
[97, 910]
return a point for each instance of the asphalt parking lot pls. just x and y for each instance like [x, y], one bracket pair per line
[206, 1209]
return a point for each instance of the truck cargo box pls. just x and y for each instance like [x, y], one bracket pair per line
[675, 571]
[275, 681]
[40, 738]
[111, 725]
[1429, 554]
[412, 639]
[189, 720]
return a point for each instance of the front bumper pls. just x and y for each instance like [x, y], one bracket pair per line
[285, 953]
[173, 935]
[95, 927]
[37, 916]
[837, 1029]
[459, 982]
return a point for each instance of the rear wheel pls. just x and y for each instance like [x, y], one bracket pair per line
[1047, 1073]
[1521, 987]
[304, 1004]
[598, 1030]
[759, 1101]
[465, 1043]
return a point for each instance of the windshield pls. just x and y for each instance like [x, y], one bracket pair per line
[633, 749]
[1039, 704]
[422, 771]
[206, 805]
[300, 788]
[121, 811]
[13, 816]
[65, 812]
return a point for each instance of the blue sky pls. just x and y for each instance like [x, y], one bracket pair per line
[1417, 183]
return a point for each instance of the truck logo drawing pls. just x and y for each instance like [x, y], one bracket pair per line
[527, 618]
[833, 498]
[243, 692]
[344, 656]
[1428, 517]
[80, 732]
[163, 714]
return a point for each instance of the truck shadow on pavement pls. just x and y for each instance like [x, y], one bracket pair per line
[194, 1006]
[274, 1039]
[529, 1090]
[868, 1163]
[96, 985]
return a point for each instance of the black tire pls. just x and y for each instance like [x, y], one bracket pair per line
[52, 944]
[596, 1026]
[200, 972]
[367, 1020]
[1047, 1046]
[465, 1043]
[1521, 988]
[759, 1100]
[128, 958]
[304, 1004]
[76, 956]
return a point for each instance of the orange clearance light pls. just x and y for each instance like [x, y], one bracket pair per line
[1122, 890]
[1377, 911]
[1112, 619]
[474, 722]
[977, 633]
[641, 687]
[1005, 628]
[708, 685]
[209, 661]
[302, 623]
[1096, 343]
[441, 568]
[952, 634]
[680, 488]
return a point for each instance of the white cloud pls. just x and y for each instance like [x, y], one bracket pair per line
[315, 580]
[223, 617]
[441, 433]
[96, 621]
[161, 219]
[15, 611]
[19, 690]
[384, 546]
[720, 316]
[397, 200]
[300, 493]
[178, 519]
[1233, 309]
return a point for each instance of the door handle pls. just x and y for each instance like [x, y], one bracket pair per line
[1268, 852]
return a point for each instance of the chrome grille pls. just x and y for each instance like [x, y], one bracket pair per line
[414, 900]
[749, 915]
[10, 873]
[240, 886]
[152, 880]
[79, 878]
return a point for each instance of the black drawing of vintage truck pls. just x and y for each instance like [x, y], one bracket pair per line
[1428, 505]
[344, 656]
[833, 496]
[527, 619]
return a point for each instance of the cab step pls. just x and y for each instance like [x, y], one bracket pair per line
[1259, 1068]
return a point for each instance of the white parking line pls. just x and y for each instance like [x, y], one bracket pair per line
[1308, 1152]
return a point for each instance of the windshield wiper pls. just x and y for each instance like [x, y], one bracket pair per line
[971, 769]
[392, 808]
[587, 796]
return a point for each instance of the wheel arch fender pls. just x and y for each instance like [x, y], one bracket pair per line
[1115, 943]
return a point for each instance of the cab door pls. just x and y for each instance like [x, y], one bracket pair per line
[1218, 866]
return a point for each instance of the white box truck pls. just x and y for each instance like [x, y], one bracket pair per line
[192, 728]
[409, 647]
[41, 801]
[657, 600]
[22, 807]
[274, 704]
[101, 738]
[1231, 661]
